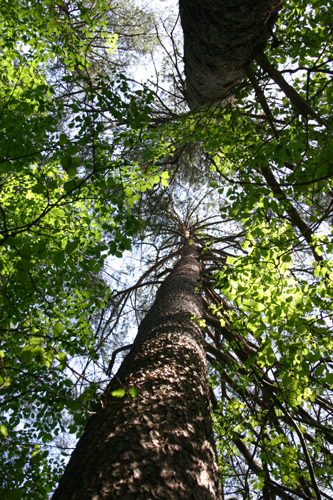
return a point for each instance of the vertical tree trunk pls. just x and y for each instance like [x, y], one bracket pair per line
[159, 444]
[220, 38]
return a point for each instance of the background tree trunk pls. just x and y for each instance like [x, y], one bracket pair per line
[220, 38]
[159, 444]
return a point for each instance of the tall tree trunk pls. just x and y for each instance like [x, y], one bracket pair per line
[159, 444]
[220, 38]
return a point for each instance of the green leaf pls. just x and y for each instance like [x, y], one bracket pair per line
[71, 246]
[59, 258]
[24, 265]
[319, 251]
[38, 189]
[73, 405]
[320, 370]
[118, 393]
[76, 162]
[72, 171]
[62, 357]
[134, 392]
[58, 328]
[3, 430]
[329, 378]
[270, 356]
[70, 185]
[251, 359]
[38, 351]
[257, 306]
[63, 139]
[26, 355]
[66, 162]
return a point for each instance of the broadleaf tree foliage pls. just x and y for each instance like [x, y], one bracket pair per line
[92, 165]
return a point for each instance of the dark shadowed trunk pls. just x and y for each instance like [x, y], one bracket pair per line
[159, 444]
[220, 38]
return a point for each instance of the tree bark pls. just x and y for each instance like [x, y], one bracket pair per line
[220, 38]
[159, 445]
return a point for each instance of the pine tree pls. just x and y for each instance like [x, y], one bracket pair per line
[157, 443]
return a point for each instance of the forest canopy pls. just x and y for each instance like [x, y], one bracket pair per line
[96, 165]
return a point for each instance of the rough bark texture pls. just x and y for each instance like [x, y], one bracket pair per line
[220, 38]
[160, 444]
